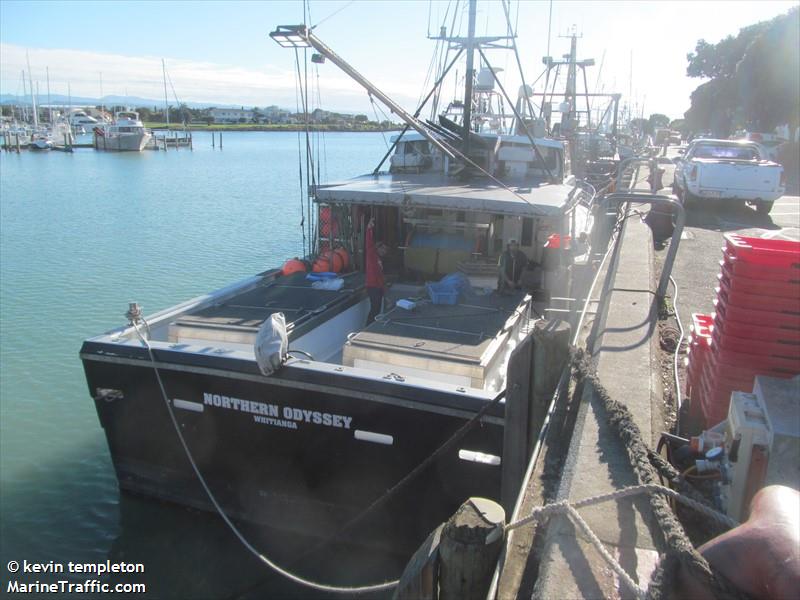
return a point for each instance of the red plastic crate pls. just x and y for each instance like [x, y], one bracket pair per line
[766, 318]
[750, 346]
[763, 251]
[755, 331]
[758, 301]
[740, 268]
[761, 287]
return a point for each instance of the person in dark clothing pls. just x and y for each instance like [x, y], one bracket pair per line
[375, 283]
[510, 266]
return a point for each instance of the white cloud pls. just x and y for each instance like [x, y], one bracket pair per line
[193, 81]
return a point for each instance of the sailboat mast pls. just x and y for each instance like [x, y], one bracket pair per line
[166, 99]
[469, 75]
[102, 98]
[24, 95]
[49, 103]
[33, 95]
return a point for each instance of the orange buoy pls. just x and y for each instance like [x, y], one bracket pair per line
[345, 257]
[293, 265]
[329, 262]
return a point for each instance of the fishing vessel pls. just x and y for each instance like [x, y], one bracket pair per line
[126, 134]
[274, 401]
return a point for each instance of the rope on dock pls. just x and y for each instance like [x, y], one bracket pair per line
[564, 507]
[331, 589]
[648, 465]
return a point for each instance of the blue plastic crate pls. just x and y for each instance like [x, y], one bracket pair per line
[442, 294]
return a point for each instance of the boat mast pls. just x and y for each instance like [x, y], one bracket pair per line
[24, 95]
[49, 103]
[102, 100]
[166, 100]
[570, 93]
[33, 95]
[470, 75]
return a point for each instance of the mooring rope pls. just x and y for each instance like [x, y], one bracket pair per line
[542, 513]
[331, 589]
[647, 465]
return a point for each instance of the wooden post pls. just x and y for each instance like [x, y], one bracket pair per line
[213, 138]
[18, 144]
[220, 140]
[517, 417]
[470, 544]
[550, 354]
[420, 578]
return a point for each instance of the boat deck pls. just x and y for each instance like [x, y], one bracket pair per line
[461, 343]
[239, 318]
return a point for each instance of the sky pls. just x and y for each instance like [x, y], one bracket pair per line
[220, 52]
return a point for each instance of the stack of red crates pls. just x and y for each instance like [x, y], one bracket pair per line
[755, 329]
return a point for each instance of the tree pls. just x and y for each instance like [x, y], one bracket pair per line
[361, 118]
[754, 78]
[642, 125]
[657, 120]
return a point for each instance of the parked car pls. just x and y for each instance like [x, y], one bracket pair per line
[734, 171]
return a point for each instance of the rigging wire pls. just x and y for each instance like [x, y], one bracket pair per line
[507, 11]
[306, 248]
[333, 14]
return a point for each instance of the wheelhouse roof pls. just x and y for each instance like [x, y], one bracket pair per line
[435, 190]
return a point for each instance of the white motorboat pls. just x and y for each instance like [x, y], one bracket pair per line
[80, 118]
[127, 133]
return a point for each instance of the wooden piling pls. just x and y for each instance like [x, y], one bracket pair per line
[18, 144]
[213, 139]
[550, 354]
[534, 369]
[457, 560]
[220, 140]
[517, 419]
[470, 544]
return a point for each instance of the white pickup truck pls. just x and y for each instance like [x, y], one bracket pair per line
[734, 171]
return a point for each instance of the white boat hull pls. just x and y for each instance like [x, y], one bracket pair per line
[121, 142]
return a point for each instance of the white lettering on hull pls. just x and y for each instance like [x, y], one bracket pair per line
[270, 414]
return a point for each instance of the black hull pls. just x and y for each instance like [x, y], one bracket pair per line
[307, 473]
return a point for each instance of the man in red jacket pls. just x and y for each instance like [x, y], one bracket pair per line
[374, 272]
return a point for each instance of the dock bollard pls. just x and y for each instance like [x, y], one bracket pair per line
[466, 547]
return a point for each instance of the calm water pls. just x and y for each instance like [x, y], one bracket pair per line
[81, 235]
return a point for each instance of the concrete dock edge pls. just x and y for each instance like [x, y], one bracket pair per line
[626, 354]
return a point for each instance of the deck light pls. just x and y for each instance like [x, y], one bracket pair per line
[291, 36]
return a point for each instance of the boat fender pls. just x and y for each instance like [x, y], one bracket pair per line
[272, 344]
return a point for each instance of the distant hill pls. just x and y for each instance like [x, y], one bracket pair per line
[133, 101]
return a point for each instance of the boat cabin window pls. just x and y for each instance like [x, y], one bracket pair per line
[527, 232]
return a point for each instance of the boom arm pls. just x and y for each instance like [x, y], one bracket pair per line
[300, 36]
